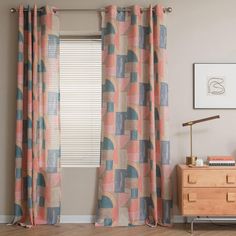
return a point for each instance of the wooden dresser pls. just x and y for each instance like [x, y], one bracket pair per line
[207, 191]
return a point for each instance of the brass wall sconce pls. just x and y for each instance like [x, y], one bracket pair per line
[191, 160]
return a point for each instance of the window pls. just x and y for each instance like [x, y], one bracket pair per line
[80, 85]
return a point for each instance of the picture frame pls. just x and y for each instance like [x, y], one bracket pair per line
[214, 85]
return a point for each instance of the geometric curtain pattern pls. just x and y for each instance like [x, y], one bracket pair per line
[135, 172]
[37, 173]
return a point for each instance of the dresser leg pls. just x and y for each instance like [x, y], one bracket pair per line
[192, 221]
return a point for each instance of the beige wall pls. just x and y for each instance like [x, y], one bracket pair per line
[198, 31]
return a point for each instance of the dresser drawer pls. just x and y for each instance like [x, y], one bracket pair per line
[209, 201]
[209, 178]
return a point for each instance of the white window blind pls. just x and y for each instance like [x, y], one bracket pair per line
[80, 85]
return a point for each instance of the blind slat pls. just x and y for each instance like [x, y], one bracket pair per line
[80, 87]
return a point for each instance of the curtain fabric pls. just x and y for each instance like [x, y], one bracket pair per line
[37, 173]
[134, 177]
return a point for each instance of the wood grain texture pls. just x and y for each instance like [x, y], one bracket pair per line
[209, 178]
[90, 230]
[180, 188]
[185, 167]
[209, 191]
[209, 202]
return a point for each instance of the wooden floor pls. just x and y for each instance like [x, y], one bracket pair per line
[90, 230]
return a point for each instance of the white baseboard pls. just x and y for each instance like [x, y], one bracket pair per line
[87, 219]
[77, 219]
[5, 219]
[178, 219]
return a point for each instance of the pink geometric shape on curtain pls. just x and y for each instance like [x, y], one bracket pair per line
[37, 173]
[135, 172]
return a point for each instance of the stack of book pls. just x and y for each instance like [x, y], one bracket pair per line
[221, 161]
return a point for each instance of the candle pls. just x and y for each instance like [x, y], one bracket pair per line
[199, 162]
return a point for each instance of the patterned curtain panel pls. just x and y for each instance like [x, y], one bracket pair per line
[134, 179]
[37, 183]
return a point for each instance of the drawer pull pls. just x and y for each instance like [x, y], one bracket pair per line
[231, 197]
[192, 179]
[192, 197]
[230, 179]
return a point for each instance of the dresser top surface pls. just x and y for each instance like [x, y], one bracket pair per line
[185, 167]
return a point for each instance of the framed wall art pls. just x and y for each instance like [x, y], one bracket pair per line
[214, 86]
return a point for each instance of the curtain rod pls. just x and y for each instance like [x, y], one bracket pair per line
[166, 9]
